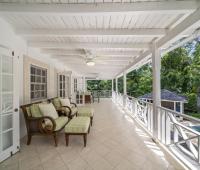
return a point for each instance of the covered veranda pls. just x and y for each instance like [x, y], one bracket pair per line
[70, 42]
[115, 142]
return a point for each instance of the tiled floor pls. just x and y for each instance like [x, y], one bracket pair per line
[115, 142]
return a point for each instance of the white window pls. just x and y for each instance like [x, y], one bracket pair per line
[75, 85]
[38, 83]
[62, 88]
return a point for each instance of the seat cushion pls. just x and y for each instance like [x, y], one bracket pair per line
[78, 125]
[65, 102]
[85, 111]
[74, 110]
[35, 110]
[48, 110]
[28, 111]
[60, 122]
[66, 110]
[56, 103]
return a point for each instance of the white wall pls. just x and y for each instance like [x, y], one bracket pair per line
[9, 39]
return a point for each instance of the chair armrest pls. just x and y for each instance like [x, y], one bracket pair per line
[45, 124]
[34, 118]
[61, 112]
[70, 110]
[75, 105]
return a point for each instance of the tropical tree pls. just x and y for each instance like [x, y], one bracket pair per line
[195, 74]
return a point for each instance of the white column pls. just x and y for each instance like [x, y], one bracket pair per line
[124, 83]
[112, 85]
[85, 85]
[116, 83]
[174, 106]
[156, 66]
[181, 107]
[124, 89]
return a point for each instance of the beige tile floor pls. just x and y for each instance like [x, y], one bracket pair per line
[115, 142]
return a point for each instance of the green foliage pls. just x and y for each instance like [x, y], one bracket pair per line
[197, 115]
[99, 85]
[174, 70]
[191, 106]
[180, 72]
[139, 81]
[120, 84]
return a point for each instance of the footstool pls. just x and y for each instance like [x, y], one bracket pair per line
[86, 112]
[78, 126]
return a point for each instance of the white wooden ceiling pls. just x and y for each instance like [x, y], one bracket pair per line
[77, 1]
[65, 29]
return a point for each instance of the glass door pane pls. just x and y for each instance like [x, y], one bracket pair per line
[6, 103]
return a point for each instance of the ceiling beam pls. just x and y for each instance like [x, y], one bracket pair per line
[99, 62]
[101, 8]
[63, 52]
[143, 32]
[191, 21]
[72, 45]
[97, 66]
[61, 57]
[112, 53]
[135, 62]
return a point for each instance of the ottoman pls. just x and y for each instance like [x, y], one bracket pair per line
[78, 126]
[86, 112]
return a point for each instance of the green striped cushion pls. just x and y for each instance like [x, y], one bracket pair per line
[60, 122]
[78, 125]
[35, 110]
[28, 110]
[57, 103]
[85, 111]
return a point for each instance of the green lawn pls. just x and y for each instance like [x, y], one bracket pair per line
[196, 115]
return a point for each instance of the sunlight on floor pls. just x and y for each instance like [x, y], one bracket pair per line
[141, 133]
[150, 144]
[128, 118]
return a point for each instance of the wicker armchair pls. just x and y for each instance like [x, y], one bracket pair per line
[42, 125]
[69, 111]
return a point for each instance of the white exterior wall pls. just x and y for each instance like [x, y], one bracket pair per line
[31, 55]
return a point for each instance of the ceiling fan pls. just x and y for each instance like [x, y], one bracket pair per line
[89, 57]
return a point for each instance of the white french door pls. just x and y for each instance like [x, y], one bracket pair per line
[9, 104]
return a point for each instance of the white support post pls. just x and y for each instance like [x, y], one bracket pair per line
[85, 85]
[156, 66]
[112, 91]
[181, 107]
[116, 84]
[124, 82]
[116, 90]
[174, 106]
[124, 89]
[112, 85]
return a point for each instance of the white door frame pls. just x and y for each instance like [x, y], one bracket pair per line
[15, 147]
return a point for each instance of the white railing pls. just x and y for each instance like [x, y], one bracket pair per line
[141, 110]
[102, 93]
[174, 129]
[173, 132]
[119, 99]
